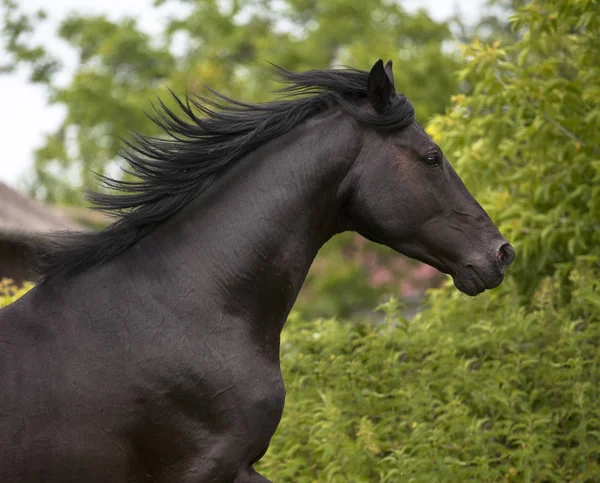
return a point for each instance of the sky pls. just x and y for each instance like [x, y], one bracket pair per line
[26, 116]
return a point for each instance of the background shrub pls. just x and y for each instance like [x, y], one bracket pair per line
[478, 390]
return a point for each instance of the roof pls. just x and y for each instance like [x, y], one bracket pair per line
[21, 216]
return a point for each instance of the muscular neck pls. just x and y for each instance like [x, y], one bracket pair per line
[252, 237]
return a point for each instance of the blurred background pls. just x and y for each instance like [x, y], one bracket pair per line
[391, 374]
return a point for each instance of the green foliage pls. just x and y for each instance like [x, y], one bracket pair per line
[10, 292]
[479, 390]
[351, 275]
[15, 26]
[526, 141]
[337, 284]
[122, 69]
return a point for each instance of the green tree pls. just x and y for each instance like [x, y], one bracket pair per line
[122, 69]
[526, 141]
[493, 25]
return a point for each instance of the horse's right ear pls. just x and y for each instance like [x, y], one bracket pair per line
[379, 88]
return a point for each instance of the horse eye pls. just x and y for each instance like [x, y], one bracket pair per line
[433, 160]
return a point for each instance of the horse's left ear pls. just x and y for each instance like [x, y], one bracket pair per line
[381, 86]
[390, 74]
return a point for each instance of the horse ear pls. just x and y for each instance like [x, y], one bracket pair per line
[379, 88]
[390, 74]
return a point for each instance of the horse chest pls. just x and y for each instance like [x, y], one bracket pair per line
[185, 421]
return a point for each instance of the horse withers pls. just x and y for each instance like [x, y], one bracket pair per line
[149, 351]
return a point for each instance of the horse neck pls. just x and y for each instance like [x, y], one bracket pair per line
[252, 237]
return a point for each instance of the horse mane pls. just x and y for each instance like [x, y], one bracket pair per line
[205, 138]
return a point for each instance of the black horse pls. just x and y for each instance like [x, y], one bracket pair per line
[149, 352]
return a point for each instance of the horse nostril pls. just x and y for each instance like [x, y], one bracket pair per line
[506, 254]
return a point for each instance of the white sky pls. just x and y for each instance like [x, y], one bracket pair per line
[25, 117]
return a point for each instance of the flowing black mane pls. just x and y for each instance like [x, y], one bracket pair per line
[209, 136]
